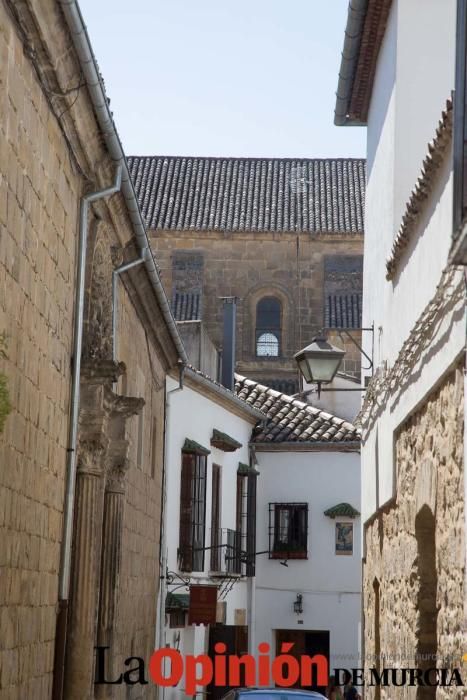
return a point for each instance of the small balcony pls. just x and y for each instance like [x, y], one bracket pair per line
[226, 550]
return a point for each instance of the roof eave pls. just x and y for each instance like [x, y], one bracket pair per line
[208, 385]
[350, 54]
[308, 446]
[364, 33]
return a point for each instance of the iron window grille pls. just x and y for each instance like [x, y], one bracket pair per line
[288, 530]
[192, 512]
[226, 553]
[268, 327]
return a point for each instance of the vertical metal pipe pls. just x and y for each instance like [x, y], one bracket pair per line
[65, 553]
[115, 274]
[228, 342]
[160, 626]
[64, 581]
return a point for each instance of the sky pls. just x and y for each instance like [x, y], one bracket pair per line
[252, 78]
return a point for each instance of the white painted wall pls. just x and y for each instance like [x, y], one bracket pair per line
[329, 583]
[414, 77]
[193, 415]
[342, 404]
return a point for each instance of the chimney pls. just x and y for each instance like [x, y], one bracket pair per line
[228, 341]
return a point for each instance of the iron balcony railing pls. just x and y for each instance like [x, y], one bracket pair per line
[226, 551]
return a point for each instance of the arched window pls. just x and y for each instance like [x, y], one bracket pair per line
[268, 327]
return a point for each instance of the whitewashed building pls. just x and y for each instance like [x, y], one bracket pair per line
[308, 559]
[397, 77]
[206, 511]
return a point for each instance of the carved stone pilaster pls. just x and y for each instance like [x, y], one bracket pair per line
[102, 463]
[114, 499]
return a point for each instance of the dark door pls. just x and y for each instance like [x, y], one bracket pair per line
[308, 642]
[236, 640]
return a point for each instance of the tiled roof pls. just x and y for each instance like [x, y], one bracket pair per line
[423, 187]
[177, 601]
[193, 446]
[343, 311]
[186, 307]
[250, 194]
[224, 442]
[291, 420]
[284, 386]
[218, 388]
[342, 510]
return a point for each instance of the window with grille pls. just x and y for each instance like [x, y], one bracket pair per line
[268, 327]
[288, 530]
[192, 512]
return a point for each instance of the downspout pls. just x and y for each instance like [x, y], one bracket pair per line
[100, 103]
[65, 554]
[115, 275]
[160, 627]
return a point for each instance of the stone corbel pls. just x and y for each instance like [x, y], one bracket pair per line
[117, 458]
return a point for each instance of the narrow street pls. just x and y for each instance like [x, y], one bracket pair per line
[232, 380]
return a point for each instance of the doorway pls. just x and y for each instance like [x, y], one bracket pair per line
[309, 642]
[235, 637]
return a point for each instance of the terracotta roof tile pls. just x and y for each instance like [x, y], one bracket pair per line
[250, 194]
[291, 420]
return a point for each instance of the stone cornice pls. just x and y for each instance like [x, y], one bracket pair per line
[436, 153]
[322, 236]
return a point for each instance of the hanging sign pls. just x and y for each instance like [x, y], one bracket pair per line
[203, 605]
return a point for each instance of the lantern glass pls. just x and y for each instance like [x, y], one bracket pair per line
[319, 361]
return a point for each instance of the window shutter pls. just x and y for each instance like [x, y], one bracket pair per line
[251, 525]
[186, 512]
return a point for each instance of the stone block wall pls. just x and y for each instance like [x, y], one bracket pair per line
[413, 598]
[139, 575]
[39, 197]
[48, 158]
[250, 265]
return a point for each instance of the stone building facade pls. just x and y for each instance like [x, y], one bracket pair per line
[419, 541]
[280, 231]
[52, 153]
[396, 76]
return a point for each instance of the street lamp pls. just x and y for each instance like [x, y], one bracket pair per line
[298, 604]
[319, 362]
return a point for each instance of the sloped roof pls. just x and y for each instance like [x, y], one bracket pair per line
[343, 310]
[342, 510]
[291, 420]
[186, 306]
[250, 194]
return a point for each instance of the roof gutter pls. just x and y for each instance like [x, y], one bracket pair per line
[309, 446]
[100, 103]
[350, 53]
[225, 393]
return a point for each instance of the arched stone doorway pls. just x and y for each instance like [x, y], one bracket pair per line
[427, 610]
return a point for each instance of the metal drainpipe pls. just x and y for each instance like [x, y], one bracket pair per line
[65, 554]
[115, 275]
[95, 85]
[159, 637]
